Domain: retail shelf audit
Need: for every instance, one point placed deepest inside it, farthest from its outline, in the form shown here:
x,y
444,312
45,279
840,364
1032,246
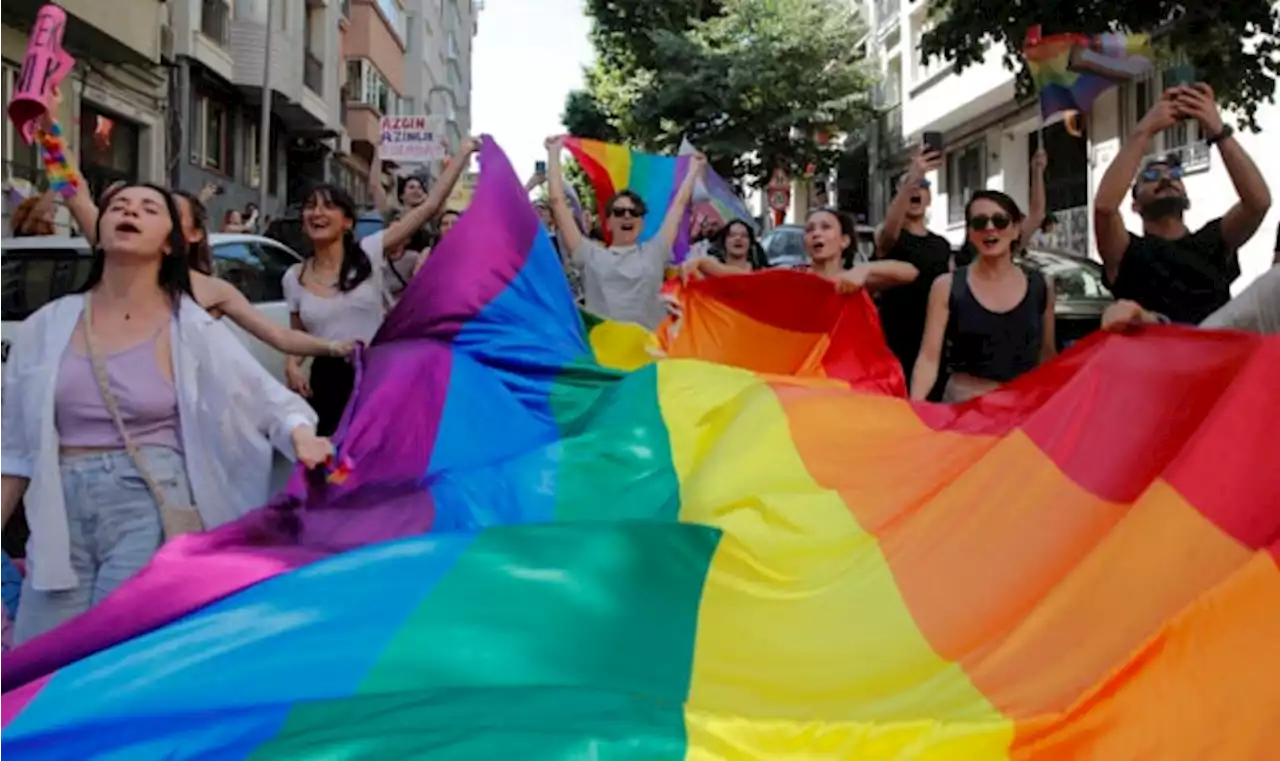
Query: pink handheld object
x,y
43,69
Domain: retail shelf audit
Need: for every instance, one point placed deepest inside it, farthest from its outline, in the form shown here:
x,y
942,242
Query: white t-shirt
x,y
353,315
622,283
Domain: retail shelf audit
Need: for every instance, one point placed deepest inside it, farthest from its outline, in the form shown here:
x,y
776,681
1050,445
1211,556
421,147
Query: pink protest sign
x,y
44,67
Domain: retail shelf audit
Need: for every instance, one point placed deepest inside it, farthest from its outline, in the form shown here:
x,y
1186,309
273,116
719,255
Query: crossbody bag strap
x,y
109,398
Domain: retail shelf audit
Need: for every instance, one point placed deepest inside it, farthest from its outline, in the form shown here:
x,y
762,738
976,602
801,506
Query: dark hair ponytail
x,y
174,277
200,256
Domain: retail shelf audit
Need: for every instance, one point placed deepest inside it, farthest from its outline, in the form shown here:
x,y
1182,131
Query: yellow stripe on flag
x,y
795,588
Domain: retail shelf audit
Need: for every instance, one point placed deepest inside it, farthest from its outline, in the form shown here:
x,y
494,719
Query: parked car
x,y
37,270
288,229
784,246
1080,295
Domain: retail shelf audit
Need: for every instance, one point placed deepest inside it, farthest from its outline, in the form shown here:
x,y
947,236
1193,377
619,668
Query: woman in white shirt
x,y
337,293
124,406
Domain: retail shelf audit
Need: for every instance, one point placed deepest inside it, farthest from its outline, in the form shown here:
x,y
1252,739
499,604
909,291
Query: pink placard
x,y
43,69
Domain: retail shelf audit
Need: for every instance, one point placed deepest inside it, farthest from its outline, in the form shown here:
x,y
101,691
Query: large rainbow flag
x,y
691,560
612,168
1070,71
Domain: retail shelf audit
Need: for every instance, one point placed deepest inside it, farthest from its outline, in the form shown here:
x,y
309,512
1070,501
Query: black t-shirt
x,y
1185,279
902,309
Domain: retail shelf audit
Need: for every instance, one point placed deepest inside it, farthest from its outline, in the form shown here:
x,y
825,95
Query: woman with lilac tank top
x,y
126,403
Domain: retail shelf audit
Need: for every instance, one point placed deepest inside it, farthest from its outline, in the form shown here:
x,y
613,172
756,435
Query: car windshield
x,y
35,276
1072,279
784,245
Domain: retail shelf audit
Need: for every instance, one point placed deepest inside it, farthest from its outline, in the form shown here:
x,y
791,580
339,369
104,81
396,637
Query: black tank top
x,y
997,346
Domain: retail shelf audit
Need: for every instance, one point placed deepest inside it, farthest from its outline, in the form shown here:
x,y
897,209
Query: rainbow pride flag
x,y
714,195
1072,70
612,168
688,559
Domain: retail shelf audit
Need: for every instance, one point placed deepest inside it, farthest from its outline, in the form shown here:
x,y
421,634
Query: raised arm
x,y
231,302
877,276
1036,203
929,361
81,205
675,214
1244,218
413,219
566,225
378,193
921,164
1108,224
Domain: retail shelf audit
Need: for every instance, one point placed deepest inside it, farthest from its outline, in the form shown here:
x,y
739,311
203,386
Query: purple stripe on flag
x,y
478,258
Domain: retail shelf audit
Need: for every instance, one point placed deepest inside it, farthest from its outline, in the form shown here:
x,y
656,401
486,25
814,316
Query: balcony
x,y
313,73
215,18
120,31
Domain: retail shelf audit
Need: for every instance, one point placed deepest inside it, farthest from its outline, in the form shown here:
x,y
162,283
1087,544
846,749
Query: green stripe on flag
x,y
558,641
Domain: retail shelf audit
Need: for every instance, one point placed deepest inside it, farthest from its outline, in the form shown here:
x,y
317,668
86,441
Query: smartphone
x,y
1184,74
540,167
932,142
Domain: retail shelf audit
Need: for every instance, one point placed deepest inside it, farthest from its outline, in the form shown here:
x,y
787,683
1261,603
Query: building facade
x,y
990,135
217,95
113,109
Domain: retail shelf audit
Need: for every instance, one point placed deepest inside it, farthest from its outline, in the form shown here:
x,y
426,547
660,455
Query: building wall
x,y
370,36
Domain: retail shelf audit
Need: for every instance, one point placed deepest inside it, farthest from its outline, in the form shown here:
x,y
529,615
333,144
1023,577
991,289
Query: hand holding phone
x,y
932,142
540,167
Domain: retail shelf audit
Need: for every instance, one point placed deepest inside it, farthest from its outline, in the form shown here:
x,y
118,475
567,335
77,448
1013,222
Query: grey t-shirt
x,y
622,283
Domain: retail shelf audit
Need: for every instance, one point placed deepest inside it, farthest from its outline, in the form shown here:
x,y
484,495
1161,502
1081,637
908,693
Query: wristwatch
x,y
1226,132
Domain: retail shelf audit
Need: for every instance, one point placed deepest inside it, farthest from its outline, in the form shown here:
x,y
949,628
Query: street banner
x,y
43,69
413,139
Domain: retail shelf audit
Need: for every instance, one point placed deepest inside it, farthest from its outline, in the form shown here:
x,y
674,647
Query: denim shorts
x,y
114,528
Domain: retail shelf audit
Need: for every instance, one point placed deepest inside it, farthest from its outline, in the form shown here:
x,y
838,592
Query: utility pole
x,y
264,123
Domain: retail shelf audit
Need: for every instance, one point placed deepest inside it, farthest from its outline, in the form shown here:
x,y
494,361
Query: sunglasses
x,y
981,221
925,184
622,212
1154,174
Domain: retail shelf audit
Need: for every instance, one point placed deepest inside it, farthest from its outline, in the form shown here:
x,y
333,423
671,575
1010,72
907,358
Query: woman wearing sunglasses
x,y
621,282
998,316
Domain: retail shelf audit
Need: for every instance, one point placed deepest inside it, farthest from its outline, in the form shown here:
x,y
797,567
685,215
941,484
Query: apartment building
x,y
217,96
990,136
113,107
403,57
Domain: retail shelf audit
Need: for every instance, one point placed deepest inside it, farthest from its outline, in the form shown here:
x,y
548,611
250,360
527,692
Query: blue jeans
x,y
114,526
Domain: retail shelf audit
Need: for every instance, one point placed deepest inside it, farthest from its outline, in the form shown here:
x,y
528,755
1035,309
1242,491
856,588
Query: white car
x,y
39,269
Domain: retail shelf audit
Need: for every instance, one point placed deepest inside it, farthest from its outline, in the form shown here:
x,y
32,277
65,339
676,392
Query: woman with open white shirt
x,y
127,405
337,293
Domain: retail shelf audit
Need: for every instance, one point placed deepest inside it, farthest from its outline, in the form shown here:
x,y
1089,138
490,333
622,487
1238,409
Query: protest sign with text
x,y
412,139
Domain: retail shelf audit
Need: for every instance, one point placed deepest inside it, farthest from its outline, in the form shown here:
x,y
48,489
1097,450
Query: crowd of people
x,y
132,415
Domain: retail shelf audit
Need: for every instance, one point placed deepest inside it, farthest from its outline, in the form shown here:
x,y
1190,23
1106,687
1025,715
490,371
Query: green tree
x,y
1233,46
757,84
585,117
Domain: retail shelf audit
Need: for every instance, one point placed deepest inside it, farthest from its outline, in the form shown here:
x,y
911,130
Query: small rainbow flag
x,y
540,556
715,194
612,168
1072,70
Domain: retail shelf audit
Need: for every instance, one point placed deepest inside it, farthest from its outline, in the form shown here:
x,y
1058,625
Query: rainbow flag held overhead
x,y
613,168
541,553
715,194
1072,70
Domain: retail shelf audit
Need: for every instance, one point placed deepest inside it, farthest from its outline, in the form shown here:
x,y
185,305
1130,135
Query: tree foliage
x,y
757,84
1233,46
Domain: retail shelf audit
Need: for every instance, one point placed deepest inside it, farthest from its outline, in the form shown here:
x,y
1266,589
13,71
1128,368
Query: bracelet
x,y
63,179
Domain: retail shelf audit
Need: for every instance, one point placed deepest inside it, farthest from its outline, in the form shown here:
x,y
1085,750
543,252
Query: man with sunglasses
x,y
904,237
1169,270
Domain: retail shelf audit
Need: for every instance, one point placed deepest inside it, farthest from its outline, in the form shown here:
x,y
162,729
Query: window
x,y
253,149
1183,138
923,70
211,139
20,159
368,87
35,276
255,270
966,172
109,148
